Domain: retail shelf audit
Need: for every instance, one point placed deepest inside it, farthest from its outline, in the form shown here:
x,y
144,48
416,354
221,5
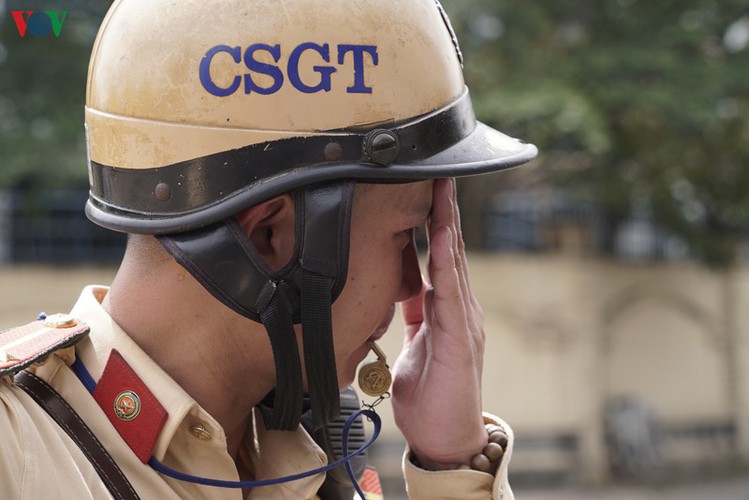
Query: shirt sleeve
x,y
12,458
465,484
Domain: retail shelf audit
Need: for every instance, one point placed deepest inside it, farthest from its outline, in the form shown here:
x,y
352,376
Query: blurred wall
x,y
603,368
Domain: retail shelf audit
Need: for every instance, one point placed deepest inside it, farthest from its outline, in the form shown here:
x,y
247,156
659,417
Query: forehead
x,y
412,199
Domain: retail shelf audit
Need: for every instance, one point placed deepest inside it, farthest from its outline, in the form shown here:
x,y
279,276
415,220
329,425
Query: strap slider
x,y
266,294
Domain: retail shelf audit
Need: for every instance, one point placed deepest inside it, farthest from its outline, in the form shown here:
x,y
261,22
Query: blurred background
x,y
612,270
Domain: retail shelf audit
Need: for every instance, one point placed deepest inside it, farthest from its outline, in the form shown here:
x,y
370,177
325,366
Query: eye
x,y
406,236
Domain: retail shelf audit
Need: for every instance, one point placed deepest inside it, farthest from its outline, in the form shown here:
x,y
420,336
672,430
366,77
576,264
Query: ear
x,y
270,226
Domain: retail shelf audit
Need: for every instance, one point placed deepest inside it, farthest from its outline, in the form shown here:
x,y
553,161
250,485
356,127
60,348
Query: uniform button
x,y
6,357
60,321
200,432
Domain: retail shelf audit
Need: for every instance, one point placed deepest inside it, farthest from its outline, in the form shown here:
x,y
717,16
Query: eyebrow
x,y
420,211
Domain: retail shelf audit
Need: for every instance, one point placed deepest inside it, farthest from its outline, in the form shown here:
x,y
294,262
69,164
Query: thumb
x,y
413,312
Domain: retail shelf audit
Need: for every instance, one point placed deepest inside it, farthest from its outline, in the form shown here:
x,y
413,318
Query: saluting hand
x,y
436,392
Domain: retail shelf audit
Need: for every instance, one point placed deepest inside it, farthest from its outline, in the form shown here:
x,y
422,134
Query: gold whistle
x,y
374,377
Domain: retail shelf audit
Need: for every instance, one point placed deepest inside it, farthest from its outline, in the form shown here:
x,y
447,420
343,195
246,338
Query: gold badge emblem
x,y
374,377
127,405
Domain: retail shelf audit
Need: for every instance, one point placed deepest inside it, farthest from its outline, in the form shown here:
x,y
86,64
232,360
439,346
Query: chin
x,y
347,378
348,365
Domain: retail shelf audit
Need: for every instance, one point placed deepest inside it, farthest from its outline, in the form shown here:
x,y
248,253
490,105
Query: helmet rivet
x,y
333,151
381,146
163,192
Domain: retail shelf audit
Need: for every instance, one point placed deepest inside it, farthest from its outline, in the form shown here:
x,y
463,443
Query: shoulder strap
x,y
25,345
71,423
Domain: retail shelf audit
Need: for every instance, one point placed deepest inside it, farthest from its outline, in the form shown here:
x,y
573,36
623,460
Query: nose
x,y
411,273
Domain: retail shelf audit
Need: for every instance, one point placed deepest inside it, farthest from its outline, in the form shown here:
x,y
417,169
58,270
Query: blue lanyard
x,y
90,384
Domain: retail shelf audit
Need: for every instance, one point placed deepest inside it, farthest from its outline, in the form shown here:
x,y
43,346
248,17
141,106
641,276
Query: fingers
x,y
476,318
460,243
445,213
446,216
448,306
458,247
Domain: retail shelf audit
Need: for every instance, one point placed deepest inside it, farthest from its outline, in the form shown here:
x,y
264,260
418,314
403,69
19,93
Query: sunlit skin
x,y
212,352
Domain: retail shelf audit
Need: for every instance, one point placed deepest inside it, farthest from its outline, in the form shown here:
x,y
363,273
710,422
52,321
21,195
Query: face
x,y
383,268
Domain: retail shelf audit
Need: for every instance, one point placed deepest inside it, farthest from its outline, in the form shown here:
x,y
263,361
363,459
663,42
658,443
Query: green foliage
x,y
42,90
631,102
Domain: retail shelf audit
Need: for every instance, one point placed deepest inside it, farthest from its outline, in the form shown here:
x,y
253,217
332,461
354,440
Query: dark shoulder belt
x,y
61,412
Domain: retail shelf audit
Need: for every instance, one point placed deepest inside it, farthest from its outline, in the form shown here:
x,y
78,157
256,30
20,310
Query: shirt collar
x,y
271,452
107,335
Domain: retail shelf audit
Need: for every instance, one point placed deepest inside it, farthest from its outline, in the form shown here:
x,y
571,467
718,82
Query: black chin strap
x,y
320,276
287,406
222,258
317,329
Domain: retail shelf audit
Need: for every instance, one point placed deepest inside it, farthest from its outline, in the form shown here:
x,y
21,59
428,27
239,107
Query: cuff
x,y
463,483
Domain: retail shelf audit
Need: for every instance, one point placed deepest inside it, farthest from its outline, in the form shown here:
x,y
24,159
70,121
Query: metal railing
x,y
50,227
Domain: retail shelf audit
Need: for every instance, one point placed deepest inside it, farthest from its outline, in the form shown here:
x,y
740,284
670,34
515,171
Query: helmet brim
x,y
482,151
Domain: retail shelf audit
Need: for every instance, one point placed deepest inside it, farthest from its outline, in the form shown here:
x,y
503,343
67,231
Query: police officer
x,y
269,161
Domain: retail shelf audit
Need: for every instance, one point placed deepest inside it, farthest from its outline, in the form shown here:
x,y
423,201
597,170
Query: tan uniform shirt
x,y
39,461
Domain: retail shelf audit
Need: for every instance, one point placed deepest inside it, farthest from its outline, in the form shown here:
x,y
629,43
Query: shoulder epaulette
x,y
23,346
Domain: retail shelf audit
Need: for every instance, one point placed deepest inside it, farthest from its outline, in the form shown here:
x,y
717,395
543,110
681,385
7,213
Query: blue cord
x,y
168,471
83,374
88,382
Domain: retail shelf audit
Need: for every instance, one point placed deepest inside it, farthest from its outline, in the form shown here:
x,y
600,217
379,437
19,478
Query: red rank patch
x,y
133,410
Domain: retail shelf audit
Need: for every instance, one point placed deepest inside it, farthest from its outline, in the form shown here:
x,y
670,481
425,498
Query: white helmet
x,y
198,109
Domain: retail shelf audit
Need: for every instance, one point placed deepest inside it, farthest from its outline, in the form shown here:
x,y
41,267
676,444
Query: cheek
x,y
372,285
376,276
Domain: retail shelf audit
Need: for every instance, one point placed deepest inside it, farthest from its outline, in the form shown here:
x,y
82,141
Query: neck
x,y
211,351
